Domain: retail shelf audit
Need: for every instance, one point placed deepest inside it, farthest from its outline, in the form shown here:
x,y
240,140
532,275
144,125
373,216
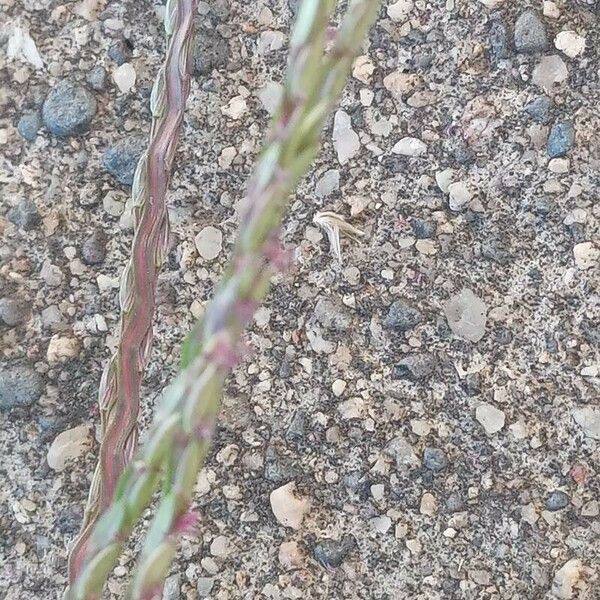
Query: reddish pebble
x,y
578,474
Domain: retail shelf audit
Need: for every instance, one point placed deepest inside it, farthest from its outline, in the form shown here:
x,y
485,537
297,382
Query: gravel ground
x,y
420,421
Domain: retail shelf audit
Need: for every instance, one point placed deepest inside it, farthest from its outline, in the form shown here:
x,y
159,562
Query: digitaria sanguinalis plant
x,y
179,438
119,393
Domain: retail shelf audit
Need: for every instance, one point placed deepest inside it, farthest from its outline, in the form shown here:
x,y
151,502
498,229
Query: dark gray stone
x,y
13,311
423,229
119,52
211,51
402,316
96,78
557,500
121,158
472,384
29,125
499,44
539,109
435,459
454,503
93,250
415,367
561,139
68,109
20,386
331,553
530,33
24,215
577,232
295,431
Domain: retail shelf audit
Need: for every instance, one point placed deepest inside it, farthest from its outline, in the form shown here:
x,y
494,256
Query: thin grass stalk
x,y
119,393
182,431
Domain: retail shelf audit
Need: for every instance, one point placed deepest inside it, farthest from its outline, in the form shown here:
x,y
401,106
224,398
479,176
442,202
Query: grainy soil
x,y
434,398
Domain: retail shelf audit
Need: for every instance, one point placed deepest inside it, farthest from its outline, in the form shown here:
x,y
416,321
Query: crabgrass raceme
x,y
182,430
119,393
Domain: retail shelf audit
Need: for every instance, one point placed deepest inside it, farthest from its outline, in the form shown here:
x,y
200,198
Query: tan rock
x,y
566,580
62,349
209,242
291,555
288,508
68,445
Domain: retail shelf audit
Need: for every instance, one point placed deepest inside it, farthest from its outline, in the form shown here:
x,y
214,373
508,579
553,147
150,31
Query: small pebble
x,y
29,125
20,386
530,33
454,503
549,72
124,77
291,555
345,139
423,229
399,11
539,109
570,43
13,311
557,500
172,587
566,580
586,255
490,417
62,349
24,215
68,109
269,96
68,445
236,108
499,44
289,508
119,52
460,196
561,139
209,242
328,183
331,553
96,78
410,146
401,316
416,367
551,10
338,387
435,459
93,251
220,546
121,158
588,419
204,586
467,315
429,505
